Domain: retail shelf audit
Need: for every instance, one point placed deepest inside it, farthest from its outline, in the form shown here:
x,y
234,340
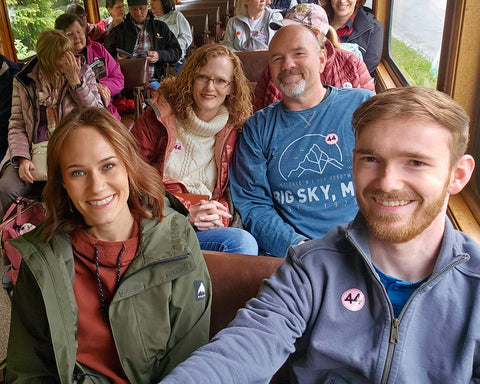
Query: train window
x,y
102,9
416,39
29,18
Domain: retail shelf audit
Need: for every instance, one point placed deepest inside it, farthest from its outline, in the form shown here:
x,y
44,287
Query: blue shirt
x,y
398,291
291,176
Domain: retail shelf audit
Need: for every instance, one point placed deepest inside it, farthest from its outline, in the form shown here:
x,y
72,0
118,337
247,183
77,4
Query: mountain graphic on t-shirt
x,y
316,161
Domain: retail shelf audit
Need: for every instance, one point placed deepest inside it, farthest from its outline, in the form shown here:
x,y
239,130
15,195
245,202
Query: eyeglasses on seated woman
x,y
188,134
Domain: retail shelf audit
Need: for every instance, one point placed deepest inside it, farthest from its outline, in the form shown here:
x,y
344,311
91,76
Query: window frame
x,y
463,47
6,34
7,46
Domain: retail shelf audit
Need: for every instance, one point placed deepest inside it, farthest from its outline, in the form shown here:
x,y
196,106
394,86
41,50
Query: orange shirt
x,y
96,347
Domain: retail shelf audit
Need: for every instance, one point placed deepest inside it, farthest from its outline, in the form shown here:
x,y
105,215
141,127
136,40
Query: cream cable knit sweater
x,y
192,160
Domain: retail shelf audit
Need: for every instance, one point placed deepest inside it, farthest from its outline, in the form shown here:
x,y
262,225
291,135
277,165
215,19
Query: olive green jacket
x,y
160,312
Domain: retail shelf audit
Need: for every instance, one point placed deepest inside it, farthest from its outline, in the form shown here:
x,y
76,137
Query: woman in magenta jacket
x,y
110,79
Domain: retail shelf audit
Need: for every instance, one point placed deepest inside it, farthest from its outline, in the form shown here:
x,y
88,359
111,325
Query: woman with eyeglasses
x,y
116,10
188,134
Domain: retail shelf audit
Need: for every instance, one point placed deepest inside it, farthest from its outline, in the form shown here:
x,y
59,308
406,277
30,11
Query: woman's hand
x,y
152,57
115,22
104,93
24,168
208,214
70,67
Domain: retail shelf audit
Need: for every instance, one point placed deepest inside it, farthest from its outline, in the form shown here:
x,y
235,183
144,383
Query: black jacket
x,y
164,42
6,82
368,34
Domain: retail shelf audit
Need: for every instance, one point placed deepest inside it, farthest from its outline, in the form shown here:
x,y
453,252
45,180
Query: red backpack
x,y
22,216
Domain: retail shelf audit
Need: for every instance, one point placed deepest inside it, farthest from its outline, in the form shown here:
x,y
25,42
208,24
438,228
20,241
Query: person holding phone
x,y
48,87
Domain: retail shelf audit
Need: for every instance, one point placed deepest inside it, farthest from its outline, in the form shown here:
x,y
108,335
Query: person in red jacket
x,y
188,134
343,69
116,10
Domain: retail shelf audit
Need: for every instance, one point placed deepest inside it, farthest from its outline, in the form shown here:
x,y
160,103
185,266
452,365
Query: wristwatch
x,y
76,86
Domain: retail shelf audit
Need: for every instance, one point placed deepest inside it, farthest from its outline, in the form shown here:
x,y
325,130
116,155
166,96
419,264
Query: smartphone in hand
x,y
140,54
125,53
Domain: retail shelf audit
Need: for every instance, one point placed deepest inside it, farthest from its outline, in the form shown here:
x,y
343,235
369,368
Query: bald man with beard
x,y
291,176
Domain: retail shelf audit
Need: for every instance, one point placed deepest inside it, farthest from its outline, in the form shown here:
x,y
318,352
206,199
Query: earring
x,y
70,205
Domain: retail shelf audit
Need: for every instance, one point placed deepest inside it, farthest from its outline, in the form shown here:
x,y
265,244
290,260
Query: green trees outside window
x,y
30,17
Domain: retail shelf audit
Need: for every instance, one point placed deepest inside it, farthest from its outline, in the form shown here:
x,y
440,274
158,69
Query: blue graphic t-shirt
x,y
292,170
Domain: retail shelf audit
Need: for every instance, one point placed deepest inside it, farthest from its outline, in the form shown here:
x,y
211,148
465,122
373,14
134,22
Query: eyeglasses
x,y
78,32
138,9
218,83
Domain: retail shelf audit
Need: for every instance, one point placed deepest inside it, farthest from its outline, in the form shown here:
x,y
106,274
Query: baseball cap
x,y
137,2
311,15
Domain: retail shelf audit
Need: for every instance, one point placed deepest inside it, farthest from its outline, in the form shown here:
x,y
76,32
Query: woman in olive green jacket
x,y
77,314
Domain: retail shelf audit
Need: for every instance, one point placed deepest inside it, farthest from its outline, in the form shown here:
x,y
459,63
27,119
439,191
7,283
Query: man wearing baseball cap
x,y
343,68
140,35
291,176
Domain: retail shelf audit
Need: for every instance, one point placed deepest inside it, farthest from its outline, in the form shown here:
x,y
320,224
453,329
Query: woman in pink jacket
x,y
47,88
107,71
188,134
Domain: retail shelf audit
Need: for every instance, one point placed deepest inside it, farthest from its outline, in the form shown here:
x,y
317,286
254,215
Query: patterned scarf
x,y
142,46
49,97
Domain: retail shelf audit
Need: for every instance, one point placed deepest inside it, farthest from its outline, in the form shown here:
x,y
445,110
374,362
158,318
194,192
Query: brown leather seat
x,y
135,72
254,63
236,279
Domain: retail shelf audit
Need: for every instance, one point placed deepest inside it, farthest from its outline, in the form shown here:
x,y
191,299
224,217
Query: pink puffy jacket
x,y
343,69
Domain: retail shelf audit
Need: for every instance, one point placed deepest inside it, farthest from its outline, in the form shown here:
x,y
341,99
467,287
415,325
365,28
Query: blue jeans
x,y
233,240
155,84
178,66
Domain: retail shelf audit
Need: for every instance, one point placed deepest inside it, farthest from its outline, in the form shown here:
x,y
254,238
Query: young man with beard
x,y
293,160
391,297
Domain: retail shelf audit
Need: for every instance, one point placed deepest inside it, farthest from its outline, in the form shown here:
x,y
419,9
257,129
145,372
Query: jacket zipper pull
x,y
394,331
